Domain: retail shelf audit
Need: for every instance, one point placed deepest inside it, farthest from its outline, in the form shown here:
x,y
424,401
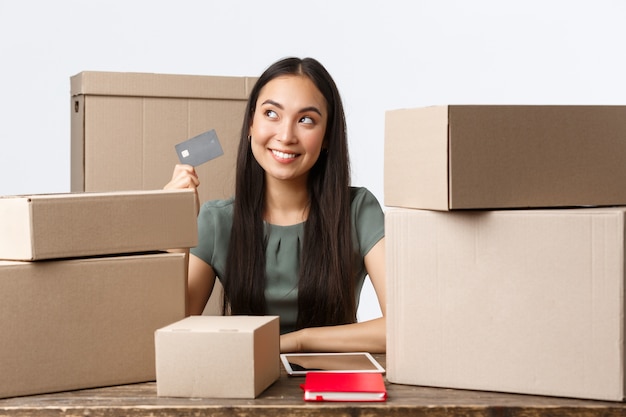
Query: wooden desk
x,y
284,398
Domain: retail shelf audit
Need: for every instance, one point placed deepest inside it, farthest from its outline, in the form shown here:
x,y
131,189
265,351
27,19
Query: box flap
x,y
136,84
219,324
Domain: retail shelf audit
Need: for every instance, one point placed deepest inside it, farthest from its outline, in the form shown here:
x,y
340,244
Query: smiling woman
x,y
287,130
296,240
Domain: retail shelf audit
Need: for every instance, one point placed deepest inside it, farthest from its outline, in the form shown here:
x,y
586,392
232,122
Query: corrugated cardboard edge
x,y
16,222
268,370
77,144
416,158
136,84
393,325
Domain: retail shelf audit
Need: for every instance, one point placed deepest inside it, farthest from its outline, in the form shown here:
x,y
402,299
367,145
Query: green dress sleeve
x,y
214,225
368,227
368,220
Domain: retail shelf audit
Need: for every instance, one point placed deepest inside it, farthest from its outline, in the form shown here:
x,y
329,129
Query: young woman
x,y
296,240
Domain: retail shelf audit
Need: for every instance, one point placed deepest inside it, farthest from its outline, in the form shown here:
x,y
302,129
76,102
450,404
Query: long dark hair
x,y
326,278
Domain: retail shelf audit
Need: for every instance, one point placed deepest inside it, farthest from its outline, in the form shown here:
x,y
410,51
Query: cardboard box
x,y
522,301
50,226
218,357
82,323
487,157
124,127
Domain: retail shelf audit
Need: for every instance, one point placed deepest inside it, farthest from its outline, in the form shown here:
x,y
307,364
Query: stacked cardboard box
x,y
500,277
124,127
84,283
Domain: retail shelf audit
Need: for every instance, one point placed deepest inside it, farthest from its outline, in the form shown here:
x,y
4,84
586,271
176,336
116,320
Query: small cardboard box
x,y
521,301
124,127
487,157
82,323
217,357
51,226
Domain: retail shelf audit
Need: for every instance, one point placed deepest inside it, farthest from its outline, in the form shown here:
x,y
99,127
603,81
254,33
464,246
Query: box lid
x,y
213,324
135,84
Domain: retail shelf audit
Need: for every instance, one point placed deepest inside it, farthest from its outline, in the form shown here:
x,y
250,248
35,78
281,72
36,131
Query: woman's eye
x,y
271,114
307,120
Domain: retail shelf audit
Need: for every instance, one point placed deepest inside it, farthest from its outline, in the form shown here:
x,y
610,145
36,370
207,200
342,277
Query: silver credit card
x,y
199,149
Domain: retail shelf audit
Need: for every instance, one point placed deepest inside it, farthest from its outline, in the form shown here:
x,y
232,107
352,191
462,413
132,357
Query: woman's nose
x,y
286,133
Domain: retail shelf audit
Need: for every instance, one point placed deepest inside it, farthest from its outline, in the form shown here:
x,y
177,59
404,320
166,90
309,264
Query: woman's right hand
x,y
184,176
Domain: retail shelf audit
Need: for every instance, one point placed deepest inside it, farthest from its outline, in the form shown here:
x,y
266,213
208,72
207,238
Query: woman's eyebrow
x,y
303,110
311,108
273,103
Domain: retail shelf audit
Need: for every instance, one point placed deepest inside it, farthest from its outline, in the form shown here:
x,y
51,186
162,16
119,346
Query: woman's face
x,y
288,127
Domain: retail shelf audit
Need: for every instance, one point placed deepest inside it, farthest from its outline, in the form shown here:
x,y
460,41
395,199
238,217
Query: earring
x,y
249,138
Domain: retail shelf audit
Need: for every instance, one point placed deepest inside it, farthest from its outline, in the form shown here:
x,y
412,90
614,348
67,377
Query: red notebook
x,y
344,386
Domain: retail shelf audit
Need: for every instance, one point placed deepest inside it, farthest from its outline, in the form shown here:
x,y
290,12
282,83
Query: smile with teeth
x,y
283,155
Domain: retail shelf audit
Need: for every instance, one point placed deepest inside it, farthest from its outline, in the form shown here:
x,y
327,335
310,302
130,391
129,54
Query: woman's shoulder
x,y
219,204
217,208
360,194
364,203
367,218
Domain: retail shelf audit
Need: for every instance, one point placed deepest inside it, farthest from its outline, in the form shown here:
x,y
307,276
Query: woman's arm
x,y
200,282
200,275
184,176
368,336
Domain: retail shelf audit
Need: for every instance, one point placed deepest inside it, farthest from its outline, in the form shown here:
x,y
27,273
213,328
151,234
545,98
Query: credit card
x,y
199,149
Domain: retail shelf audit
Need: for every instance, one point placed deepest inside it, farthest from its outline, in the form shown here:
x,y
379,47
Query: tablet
x,y
301,363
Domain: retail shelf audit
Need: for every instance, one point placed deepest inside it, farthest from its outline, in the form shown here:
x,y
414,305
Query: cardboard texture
x,y
82,323
51,226
522,301
217,357
487,157
124,127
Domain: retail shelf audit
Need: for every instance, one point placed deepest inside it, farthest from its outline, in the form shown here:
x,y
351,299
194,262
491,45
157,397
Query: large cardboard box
x,y
489,156
50,226
124,127
528,301
217,357
81,323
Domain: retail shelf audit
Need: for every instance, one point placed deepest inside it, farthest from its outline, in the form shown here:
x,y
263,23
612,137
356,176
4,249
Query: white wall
x,y
383,55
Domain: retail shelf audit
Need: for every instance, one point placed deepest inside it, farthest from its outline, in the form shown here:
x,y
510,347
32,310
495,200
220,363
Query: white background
x,y
382,54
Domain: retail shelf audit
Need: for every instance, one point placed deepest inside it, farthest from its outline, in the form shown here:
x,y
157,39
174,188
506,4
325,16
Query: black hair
x,y
326,288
